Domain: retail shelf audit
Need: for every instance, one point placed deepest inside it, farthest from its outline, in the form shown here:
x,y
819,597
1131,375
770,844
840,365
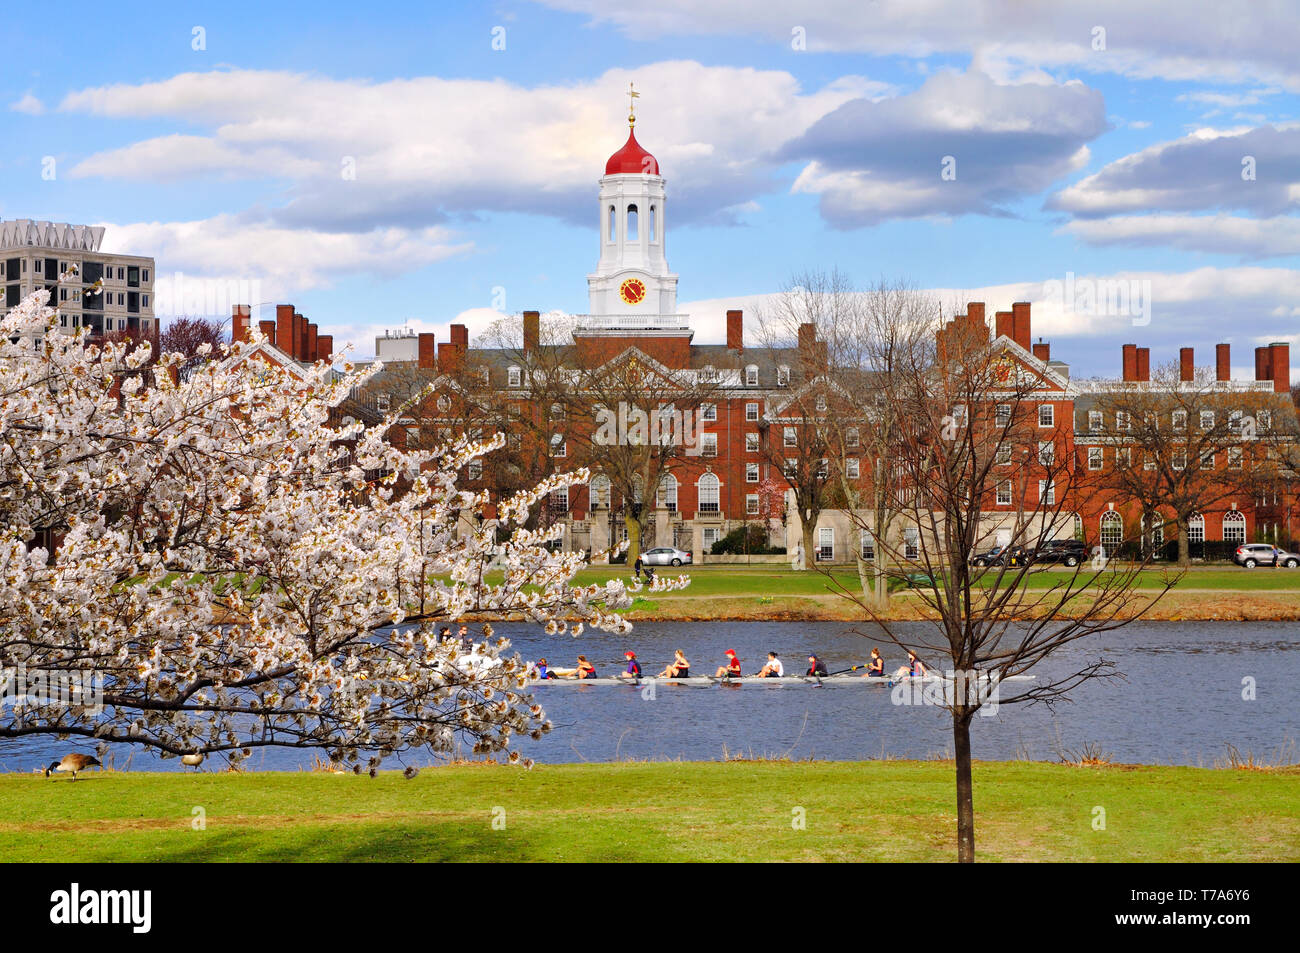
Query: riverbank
x,y
662,811
768,593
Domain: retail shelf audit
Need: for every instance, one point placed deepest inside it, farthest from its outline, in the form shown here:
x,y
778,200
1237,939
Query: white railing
x,y
633,322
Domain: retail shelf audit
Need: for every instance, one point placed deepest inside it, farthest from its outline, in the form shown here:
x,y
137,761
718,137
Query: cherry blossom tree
x,y
235,572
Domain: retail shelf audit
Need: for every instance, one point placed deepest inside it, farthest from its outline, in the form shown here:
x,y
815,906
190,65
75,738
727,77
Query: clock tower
x,y
632,279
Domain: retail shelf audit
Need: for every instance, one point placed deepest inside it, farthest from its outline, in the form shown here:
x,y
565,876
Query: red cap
x,y
629,655
730,652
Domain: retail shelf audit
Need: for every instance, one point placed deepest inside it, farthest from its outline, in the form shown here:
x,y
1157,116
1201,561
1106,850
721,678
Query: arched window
x,y
666,497
631,224
613,223
1112,533
708,486
1196,529
599,491
654,234
1234,527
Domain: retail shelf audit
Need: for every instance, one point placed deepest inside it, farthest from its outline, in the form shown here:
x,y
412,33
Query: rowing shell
x,y
703,681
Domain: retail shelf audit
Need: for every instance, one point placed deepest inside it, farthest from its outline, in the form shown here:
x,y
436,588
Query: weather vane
x,y
632,96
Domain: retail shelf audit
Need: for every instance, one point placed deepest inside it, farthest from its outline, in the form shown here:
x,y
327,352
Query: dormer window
x,y
708,373
751,375
782,376
514,376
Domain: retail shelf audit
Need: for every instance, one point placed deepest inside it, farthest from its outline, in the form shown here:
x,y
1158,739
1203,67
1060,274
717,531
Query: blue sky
x,y
475,167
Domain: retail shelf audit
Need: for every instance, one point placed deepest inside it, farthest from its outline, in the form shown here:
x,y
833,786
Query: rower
x,y
731,669
914,668
816,667
875,665
585,668
678,667
773,668
542,670
633,666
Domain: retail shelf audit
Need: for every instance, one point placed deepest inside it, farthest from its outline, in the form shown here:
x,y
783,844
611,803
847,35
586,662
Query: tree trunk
x,y
965,792
633,537
809,531
1184,545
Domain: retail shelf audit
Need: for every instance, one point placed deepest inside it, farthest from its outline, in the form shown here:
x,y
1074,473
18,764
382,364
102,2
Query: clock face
x,y
632,291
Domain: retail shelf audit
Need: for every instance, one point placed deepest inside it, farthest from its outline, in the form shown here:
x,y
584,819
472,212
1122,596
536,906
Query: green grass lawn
x,y
665,811
782,581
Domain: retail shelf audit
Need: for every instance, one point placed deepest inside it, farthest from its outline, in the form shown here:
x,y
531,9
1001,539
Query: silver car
x,y
665,556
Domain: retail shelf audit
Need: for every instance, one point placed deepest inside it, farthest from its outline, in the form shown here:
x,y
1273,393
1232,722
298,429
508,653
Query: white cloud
x,y
1233,41
217,252
425,147
1223,234
28,104
962,143
1256,169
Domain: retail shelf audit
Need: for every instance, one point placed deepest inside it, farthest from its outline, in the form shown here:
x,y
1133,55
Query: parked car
x,y
666,556
1251,555
1003,556
1071,552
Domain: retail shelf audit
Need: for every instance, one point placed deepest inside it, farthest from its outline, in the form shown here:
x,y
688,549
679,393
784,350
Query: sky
x,y
1132,169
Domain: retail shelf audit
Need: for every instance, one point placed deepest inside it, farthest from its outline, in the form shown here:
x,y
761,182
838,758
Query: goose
x,y
72,763
192,760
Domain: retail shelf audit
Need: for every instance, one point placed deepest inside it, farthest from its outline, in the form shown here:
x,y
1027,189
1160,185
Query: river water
x,y
1181,701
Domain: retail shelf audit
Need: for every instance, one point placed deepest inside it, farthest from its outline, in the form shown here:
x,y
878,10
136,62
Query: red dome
x,y
631,159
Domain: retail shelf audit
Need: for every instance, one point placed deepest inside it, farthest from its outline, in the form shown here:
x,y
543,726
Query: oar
x,y
845,671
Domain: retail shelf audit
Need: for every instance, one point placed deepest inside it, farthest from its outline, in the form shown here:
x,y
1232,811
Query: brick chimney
x,y
268,330
1130,362
807,336
1186,364
1222,362
460,338
1043,351
1280,363
313,339
532,331
284,328
1003,326
450,357
735,330
975,318
325,348
1263,364
427,350
299,337
239,318
1144,364
1020,324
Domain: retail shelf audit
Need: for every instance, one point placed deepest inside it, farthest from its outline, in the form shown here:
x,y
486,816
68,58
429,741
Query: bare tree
x,y
973,466
873,345
799,442
636,421
1181,447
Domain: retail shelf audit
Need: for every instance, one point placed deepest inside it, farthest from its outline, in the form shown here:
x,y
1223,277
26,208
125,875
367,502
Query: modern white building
x,y
33,254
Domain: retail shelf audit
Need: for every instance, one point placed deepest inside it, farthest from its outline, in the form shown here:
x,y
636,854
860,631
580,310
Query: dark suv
x,y
1003,556
1068,551
1251,555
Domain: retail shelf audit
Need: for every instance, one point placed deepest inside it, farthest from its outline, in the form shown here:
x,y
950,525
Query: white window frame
x,y
751,411
1004,493
1046,415
751,472
1096,458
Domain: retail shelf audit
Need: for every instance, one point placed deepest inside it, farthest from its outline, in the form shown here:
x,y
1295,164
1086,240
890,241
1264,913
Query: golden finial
x,y
632,96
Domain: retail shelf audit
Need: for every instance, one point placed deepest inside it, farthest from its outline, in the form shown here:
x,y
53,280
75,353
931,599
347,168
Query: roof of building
x,y
632,159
